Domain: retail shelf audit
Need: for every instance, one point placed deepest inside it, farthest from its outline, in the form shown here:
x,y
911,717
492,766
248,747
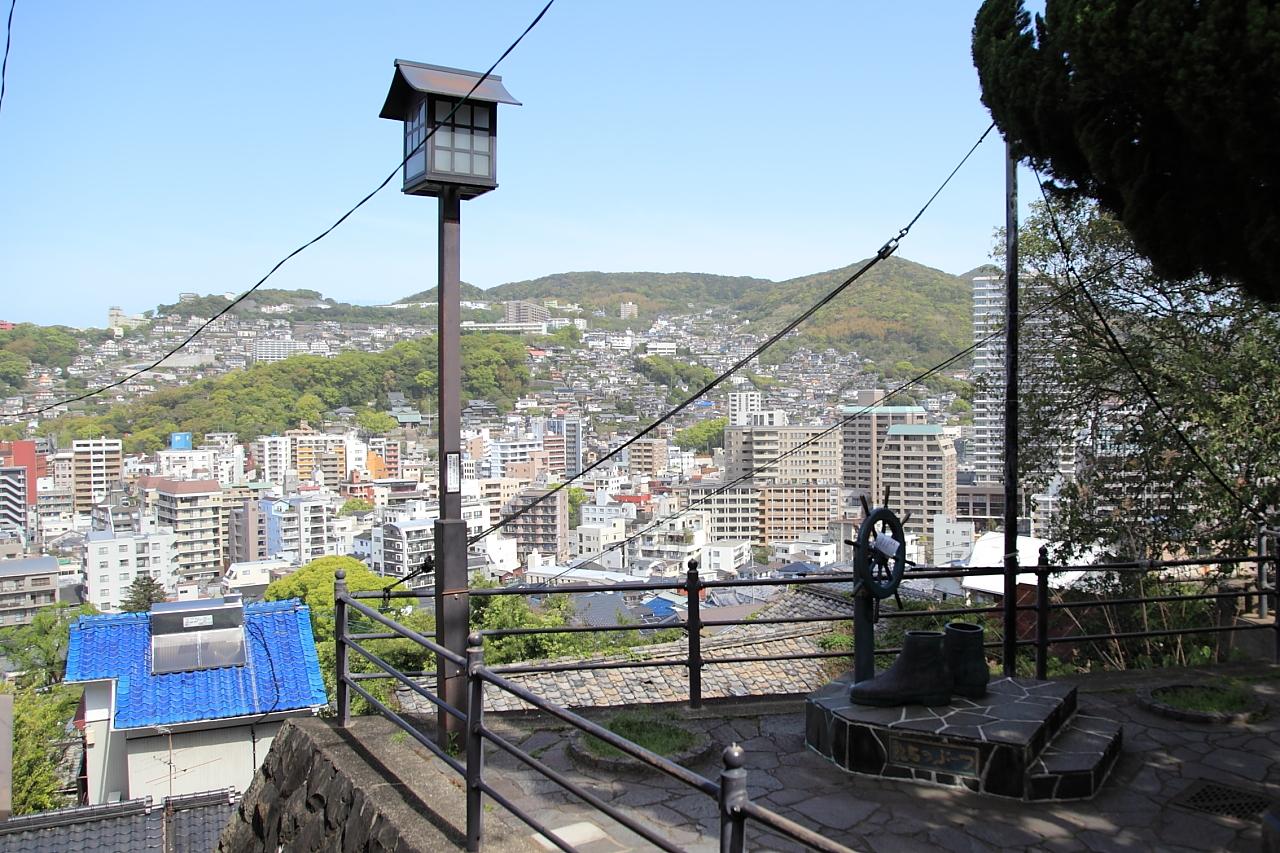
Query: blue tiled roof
x,y
118,646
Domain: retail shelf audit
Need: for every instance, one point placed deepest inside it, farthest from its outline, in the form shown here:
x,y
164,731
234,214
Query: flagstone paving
x,y
1133,812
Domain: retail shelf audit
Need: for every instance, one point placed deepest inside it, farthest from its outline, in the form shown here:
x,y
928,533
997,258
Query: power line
x,y
884,252
1133,368
8,41
325,233
838,425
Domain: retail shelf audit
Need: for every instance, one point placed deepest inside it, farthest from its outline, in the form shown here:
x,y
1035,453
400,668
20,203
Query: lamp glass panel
x,y
480,116
480,165
443,160
480,141
442,109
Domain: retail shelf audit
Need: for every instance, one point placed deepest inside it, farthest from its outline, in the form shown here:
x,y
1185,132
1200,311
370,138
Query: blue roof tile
x,y
281,672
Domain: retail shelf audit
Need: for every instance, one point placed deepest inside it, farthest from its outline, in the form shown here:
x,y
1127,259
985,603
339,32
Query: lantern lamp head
x,y
462,151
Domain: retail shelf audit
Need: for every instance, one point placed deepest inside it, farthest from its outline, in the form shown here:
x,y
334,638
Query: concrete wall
x,y
201,760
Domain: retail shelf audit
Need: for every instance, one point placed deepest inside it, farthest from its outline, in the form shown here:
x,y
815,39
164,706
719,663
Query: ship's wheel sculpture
x,y
879,561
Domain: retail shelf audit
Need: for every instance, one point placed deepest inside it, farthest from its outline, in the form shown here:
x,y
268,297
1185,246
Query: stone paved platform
x,y
1161,758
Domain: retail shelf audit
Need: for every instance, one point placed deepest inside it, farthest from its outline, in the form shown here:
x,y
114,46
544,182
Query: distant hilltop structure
x,y
120,322
628,311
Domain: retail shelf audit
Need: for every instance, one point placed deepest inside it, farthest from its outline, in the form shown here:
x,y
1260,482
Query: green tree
x,y
313,584
39,650
1164,113
354,506
13,369
375,422
142,593
577,497
703,435
40,739
1206,356
310,408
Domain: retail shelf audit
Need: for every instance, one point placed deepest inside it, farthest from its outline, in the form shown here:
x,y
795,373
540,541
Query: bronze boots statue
x,y
966,659
918,676
930,667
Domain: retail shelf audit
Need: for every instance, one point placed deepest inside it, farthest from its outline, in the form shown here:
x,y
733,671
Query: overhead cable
x,y
8,41
325,233
884,252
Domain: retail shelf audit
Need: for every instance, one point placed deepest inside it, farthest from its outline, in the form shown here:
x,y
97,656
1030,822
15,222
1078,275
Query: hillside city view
x,y
937,533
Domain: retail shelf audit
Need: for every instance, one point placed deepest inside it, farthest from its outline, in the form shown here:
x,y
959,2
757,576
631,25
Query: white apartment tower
x,y
742,405
987,454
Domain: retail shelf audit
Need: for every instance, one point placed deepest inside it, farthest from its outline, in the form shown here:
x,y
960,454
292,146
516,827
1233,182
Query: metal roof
x,y
413,77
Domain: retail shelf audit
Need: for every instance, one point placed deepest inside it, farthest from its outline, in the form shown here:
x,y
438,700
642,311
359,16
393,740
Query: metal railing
x,y
730,791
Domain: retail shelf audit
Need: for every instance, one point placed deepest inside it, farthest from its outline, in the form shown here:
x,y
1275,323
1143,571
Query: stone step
x,y
1074,765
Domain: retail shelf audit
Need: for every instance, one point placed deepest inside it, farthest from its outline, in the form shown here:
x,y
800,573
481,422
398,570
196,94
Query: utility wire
x,y
1133,368
885,251
325,233
838,425
8,41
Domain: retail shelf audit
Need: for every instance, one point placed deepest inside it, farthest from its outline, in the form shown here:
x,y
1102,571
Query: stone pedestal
x,y
1024,739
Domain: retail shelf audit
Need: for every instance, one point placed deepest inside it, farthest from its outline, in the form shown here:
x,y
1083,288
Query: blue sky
x,y
148,148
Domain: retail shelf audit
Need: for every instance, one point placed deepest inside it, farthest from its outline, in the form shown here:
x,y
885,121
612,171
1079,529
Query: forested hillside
x,y
270,398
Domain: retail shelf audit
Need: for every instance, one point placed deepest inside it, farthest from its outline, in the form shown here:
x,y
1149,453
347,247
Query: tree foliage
x,y
39,650
1165,113
313,584
355,506
374,422
1207,356
704,435
271,398
142,593
40,719
674,374
46,346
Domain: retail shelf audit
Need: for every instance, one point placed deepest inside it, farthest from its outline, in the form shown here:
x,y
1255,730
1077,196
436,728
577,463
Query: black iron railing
x,y
730,790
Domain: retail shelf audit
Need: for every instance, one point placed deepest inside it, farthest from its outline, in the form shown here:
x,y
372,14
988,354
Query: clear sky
x,y
148,148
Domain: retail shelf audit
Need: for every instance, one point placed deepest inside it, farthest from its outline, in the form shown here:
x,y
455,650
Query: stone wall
x,y
365,789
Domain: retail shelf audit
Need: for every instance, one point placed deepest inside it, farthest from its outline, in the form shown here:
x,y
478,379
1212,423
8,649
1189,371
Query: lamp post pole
x,y
1010,650
452,607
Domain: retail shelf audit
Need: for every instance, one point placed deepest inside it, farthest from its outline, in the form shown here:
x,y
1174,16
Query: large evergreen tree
x,y
1164,111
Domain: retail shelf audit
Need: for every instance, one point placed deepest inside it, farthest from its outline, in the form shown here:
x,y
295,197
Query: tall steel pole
x,y
450,530
1010,412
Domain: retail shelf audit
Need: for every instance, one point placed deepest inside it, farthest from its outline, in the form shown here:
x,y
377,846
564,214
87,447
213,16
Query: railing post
x,y
694,588
1042,614
341,670
475,742
733,795
1262,572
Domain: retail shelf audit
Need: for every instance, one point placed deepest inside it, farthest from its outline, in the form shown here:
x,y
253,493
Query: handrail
x,y
735,805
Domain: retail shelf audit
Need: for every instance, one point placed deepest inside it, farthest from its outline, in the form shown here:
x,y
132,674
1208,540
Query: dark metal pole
x,y
733,794
864,636
693,586
452,623
475,743
1042,614
341,668
1010,412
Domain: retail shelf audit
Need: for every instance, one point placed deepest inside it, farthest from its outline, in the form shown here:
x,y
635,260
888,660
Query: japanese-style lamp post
x,y
456,162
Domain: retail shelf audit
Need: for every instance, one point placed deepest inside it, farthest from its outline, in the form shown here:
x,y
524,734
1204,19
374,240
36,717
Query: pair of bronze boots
x,y
931,667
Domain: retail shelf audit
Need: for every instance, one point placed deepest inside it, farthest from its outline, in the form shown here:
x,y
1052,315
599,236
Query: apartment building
x,y
986,453
14,512
274,457
319,457
918,464
193,510
247,532
96,465
647,457
783,454
795,511
400,547
543,527
589,540
574,437
674,540
299,527
864,430
742,404
522,311
27,584
112,561
733,511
